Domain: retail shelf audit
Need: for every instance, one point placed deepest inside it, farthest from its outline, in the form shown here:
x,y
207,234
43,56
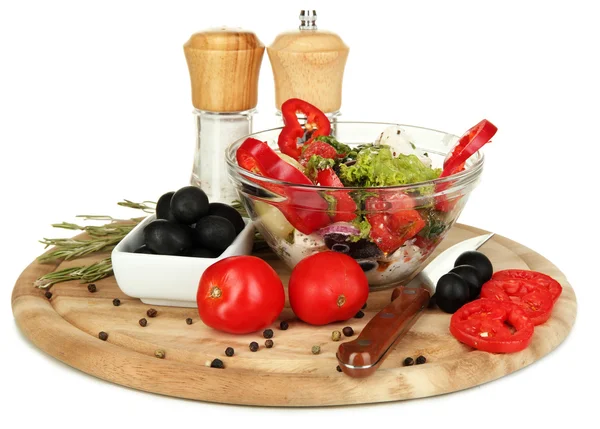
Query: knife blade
x,y
362,356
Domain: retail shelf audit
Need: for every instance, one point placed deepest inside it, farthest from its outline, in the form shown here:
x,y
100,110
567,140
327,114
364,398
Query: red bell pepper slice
x,y
471,141
305,209
345,206
492,326
316,122
393,220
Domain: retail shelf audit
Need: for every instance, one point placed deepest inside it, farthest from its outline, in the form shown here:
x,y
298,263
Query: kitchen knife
x,y
362,356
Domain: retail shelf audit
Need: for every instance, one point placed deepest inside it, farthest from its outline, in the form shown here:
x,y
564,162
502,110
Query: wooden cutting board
x,y
67,327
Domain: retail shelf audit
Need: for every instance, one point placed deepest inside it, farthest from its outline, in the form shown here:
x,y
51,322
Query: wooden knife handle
x,y
362,356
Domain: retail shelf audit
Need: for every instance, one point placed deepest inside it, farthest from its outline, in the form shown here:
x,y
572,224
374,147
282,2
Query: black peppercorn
x,y
189,321
217,363
151,312
269,344
116,302
253,346
229,351
268,333
48,294
92,287
143,321
338,369
408,361
364,306
421,360
103,336
359,315
348,331
284,325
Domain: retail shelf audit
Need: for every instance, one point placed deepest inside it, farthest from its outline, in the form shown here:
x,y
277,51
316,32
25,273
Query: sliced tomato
x,y
492,326
345,207
319,148
534,300
393,220
533,277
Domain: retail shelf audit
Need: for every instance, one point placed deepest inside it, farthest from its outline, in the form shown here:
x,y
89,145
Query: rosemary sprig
x,y
88,274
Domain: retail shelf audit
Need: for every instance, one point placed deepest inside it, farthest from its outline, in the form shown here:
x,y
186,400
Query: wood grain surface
x,y
67,326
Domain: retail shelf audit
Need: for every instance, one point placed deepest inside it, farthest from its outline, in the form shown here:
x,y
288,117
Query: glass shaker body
x,y
214,132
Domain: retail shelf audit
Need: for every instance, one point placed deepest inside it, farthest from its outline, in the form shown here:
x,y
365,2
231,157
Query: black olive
x,y
163,207
189,204
216,233
361,249
144,249
451,292
471,276
229,213
199,252
342,248
367,265
478,260
167,238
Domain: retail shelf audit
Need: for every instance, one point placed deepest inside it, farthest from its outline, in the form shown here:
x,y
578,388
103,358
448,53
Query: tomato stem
x,y
215,292
341,300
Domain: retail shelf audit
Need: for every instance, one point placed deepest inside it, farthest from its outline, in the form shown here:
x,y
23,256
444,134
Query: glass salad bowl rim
x,y
471,171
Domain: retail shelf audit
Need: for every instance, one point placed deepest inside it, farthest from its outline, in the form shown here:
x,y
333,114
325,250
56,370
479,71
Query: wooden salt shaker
x,y
309,64
224,65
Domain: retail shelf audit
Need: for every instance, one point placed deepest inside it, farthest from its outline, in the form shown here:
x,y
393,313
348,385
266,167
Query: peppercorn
x,y
143,321
359,315
336,335
408,361
229,351
268,333
189,321
116,302
269,344
151,312
253,346
217,363
103,335
316,350
364,306
338,369
159,354
48,294
421,360
92,287
348,331
284,325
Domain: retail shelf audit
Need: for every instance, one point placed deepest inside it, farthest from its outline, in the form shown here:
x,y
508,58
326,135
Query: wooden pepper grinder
x,y
224,65
309,64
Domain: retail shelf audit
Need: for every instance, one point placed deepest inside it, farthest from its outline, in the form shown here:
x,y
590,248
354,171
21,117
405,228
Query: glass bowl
x,y
390,252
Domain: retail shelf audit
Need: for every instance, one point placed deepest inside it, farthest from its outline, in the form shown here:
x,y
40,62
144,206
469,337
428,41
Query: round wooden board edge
x,y
34,315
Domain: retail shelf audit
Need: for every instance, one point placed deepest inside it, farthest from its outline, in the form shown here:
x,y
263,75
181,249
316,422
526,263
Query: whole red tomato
x,y
327,287
240,295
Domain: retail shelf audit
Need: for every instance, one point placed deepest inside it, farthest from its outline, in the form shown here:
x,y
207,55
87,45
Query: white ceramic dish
x,y
164,279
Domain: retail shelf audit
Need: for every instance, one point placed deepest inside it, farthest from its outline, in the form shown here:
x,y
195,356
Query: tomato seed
x,y
284,325
189,321
151,312
92,287
116,302
268,333
336,335
269,344
103,336
229,351
217,363
408,361
421,360
348,331
253,346
143,322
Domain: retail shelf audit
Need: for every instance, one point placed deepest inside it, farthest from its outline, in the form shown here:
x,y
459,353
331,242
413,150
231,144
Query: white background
x,y
95,107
